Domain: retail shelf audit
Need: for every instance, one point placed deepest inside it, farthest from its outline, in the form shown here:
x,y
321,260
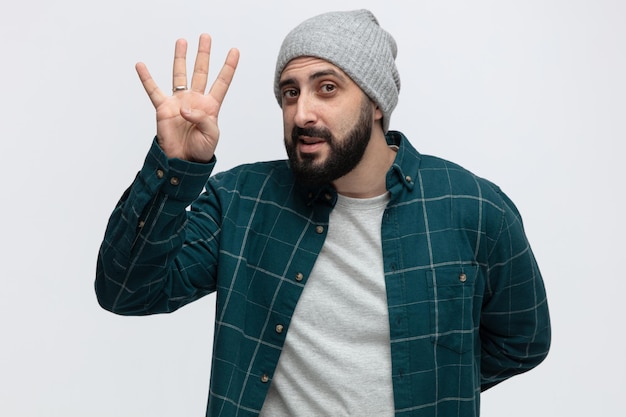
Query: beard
x,y
343,156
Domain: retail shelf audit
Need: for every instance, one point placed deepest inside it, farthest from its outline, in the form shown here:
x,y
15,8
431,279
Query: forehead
x,y
306,66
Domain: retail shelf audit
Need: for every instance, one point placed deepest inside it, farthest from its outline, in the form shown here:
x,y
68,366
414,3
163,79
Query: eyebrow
x,y
312,77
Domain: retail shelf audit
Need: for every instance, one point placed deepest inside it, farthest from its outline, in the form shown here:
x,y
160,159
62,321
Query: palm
x,y
192,142
187,120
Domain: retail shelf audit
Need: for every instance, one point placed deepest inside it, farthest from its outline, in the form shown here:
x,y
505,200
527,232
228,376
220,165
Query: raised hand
x,y
187,119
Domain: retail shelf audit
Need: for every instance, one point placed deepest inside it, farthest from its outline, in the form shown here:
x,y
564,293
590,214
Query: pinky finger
x,y
152,89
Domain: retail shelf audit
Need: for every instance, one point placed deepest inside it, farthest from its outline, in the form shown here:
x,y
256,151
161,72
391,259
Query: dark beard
x,y
343,157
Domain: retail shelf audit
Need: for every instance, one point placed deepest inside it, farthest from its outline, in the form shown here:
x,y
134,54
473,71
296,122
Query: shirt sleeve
x,y
515,324
146,257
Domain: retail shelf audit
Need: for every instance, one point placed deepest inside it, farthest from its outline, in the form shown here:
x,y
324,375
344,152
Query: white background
x,y
530,94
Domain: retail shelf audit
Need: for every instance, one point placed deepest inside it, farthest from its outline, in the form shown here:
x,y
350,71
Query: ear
x,y
378,114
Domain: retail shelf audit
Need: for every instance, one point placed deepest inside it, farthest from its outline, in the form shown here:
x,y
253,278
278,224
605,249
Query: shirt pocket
x,y
451,293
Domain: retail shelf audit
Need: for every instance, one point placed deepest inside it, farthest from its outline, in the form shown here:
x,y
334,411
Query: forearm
x,y
140,268
517,340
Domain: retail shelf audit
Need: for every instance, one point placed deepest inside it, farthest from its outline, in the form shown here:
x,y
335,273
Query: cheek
x,y
287,122
287,130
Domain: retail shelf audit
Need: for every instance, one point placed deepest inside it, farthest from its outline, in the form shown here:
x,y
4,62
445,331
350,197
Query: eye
x,y
328,88
289,93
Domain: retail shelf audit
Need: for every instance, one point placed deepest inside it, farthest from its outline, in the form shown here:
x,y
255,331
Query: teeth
x,y
311,141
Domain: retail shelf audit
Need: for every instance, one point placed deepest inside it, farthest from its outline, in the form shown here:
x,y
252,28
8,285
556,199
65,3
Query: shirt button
x,y
408,178
319,230
174,181
141,224
160,174
462,277
265,378
299,276
279,328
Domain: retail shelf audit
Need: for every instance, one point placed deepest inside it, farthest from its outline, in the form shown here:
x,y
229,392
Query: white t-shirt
x,y
336,360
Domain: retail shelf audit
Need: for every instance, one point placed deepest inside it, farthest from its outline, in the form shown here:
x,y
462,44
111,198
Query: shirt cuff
x,y
179,179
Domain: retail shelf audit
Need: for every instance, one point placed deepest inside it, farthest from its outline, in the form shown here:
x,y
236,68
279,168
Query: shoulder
x,y
439,178
452,178
253,177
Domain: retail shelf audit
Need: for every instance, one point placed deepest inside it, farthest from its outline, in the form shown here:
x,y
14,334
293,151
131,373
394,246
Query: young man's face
x,y
327,120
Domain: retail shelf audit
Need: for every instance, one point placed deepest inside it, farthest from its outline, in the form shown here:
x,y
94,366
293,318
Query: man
x,y
357,278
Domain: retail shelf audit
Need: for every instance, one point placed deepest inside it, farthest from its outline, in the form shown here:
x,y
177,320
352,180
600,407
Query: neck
x,y
369,177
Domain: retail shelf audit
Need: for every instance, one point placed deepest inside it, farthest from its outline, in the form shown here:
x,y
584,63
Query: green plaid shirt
x,y
467,305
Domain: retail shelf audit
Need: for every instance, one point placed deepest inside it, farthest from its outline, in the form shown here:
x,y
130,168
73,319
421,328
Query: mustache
x,y
314,132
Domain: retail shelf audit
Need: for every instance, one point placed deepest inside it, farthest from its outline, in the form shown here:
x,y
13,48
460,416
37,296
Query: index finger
x,y
222,82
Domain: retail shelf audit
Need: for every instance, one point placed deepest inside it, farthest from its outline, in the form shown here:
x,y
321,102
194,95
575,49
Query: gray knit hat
x,y
354,42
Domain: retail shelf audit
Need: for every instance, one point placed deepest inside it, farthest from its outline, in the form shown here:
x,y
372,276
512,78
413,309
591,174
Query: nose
x,y
306,114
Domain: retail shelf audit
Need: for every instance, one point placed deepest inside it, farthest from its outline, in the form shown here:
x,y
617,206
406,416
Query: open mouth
x,y
308,144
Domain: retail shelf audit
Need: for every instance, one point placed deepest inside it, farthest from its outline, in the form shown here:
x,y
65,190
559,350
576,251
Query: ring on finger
x,y
179,88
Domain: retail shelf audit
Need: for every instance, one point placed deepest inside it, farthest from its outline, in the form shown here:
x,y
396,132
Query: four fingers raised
x,y
200,72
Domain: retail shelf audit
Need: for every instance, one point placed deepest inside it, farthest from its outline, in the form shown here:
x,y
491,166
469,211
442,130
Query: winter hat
x,y
354,42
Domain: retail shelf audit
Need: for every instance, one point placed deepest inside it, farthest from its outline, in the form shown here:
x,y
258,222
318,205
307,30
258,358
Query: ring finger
x,y
179,73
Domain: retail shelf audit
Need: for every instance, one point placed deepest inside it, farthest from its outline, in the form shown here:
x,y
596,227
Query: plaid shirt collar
x,y
401,174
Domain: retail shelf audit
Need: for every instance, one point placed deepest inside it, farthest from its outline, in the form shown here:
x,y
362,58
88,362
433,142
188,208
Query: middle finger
x,y
201,66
